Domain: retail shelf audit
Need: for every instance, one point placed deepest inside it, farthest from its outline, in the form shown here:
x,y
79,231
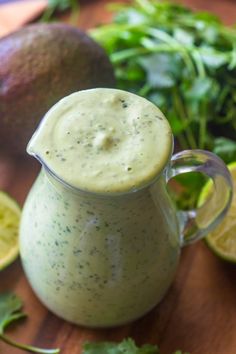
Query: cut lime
x,y
222,240
9,226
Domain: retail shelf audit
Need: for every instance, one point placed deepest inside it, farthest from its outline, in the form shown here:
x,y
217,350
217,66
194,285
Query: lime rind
x,y
11,257
225,256
9,202
222,241
9,226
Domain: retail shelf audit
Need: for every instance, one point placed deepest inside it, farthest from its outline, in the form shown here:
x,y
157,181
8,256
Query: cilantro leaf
x,y
225,148
61,5
127,346
10,306
10,311
161,69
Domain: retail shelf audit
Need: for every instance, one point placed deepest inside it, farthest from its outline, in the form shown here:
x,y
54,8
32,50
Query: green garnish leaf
x,y
225,148
10,311
157,67
127,346
61,5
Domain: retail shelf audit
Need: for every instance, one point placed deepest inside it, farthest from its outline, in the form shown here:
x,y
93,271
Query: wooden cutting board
x,y
198,314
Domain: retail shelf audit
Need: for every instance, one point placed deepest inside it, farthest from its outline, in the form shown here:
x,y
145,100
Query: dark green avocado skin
x,y
39,65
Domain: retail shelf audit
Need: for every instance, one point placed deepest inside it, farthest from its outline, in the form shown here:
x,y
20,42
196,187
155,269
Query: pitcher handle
x,y
196,223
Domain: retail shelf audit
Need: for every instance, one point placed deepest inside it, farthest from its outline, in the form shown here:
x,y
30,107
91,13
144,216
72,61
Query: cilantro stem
x,y
202,125
47,14
182,116
182,141
198,62
147,6
75,11
28,348
118,57
125,54
144,90
59,5
203,118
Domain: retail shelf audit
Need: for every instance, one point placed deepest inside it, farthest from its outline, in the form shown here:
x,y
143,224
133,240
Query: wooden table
x,y
198,314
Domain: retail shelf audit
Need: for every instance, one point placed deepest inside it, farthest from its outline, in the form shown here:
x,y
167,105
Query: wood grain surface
x,y
198,314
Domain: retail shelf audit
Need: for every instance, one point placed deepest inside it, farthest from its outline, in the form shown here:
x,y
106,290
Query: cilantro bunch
x,y
184,62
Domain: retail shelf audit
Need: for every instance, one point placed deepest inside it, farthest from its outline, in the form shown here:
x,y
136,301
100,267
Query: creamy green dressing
x,y
104,140
100,260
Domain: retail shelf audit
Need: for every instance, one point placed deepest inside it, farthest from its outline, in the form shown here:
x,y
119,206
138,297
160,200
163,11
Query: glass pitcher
x,y
102,259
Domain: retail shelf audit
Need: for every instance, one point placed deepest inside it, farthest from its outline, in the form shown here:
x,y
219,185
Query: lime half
x,y
9,228
222,240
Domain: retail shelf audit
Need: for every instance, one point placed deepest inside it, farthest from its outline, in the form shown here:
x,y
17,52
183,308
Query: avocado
x,y
40,64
